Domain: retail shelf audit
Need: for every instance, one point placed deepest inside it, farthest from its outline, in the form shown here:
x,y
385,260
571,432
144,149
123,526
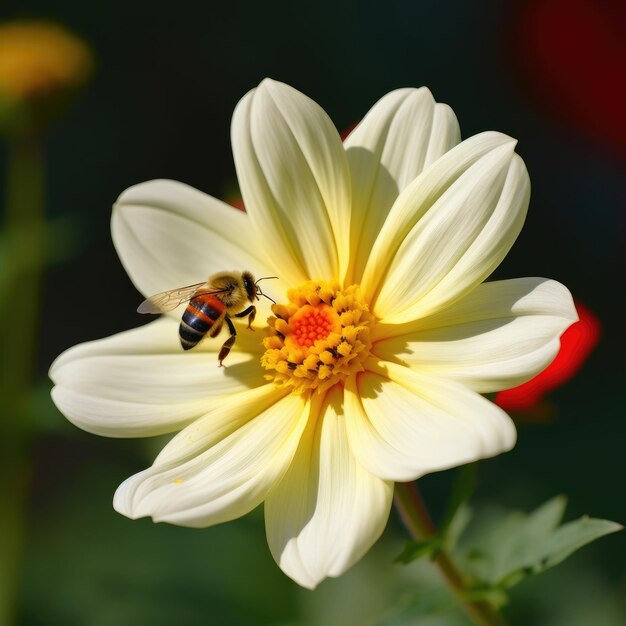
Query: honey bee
x,y
211,304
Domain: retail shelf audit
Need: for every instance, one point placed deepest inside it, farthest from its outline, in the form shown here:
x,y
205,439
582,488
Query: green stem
x,y
19,297
415,516
23,238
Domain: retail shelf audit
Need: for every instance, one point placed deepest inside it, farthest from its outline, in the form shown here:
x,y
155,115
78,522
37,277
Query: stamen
x,y
318,338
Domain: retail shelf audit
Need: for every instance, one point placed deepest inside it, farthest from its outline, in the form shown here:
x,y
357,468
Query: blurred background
x,y
157,84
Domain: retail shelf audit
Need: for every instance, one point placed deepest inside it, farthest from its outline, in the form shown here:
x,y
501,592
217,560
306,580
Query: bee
x,y
211,305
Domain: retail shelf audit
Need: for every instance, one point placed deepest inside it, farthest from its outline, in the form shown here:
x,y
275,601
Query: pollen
x,y
318,338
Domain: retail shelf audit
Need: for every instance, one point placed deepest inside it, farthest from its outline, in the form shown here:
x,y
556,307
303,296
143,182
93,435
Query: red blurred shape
x,y
577,342
348,130
237,202
573,56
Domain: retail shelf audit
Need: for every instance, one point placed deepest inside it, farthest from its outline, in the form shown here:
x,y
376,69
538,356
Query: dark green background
x,y
168,77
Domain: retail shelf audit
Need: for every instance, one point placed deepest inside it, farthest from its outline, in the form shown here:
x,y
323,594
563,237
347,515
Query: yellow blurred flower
x,y
40,58
42,65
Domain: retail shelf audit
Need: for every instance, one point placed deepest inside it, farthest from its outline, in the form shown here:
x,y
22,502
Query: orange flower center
x,y
318,338
310,324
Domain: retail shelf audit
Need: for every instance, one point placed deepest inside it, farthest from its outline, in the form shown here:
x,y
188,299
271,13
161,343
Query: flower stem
x,y
22,262
23,232
414,514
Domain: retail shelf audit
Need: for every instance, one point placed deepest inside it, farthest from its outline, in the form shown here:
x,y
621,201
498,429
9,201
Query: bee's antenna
x,y
260,292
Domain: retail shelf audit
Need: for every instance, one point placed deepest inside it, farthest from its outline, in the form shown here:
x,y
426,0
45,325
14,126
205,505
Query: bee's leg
x,y
217,327
250,312
228,344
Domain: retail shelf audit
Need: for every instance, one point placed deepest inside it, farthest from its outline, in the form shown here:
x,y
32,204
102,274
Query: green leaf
x,y
496,596
420,604
457,526
502,548
573,536
417,549
463,487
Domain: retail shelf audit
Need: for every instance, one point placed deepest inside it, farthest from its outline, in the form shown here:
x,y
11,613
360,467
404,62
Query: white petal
x,y
402,134
499,336
224,418
327,511
294,180
449,229
170,235
140,382
238,452
403,424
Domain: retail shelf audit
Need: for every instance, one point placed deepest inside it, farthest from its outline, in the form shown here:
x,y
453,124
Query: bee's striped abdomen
x,y
200,314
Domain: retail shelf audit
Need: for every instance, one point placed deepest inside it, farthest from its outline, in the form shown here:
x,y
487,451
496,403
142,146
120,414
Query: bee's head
x,y
249,285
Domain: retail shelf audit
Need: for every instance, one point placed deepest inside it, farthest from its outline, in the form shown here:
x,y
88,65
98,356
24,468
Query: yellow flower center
x,y
318,338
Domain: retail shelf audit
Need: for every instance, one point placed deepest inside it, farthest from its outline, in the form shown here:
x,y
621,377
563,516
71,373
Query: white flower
x,y
383,243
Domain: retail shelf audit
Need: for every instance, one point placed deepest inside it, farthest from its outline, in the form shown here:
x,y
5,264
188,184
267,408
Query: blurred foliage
x,y
65,237
497,549
500,548
414,550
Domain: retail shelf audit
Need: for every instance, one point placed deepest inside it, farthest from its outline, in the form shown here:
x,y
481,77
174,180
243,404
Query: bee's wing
x,y
168,300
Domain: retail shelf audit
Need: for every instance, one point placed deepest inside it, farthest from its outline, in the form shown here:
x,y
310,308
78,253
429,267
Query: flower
x,y
41,65
369,369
